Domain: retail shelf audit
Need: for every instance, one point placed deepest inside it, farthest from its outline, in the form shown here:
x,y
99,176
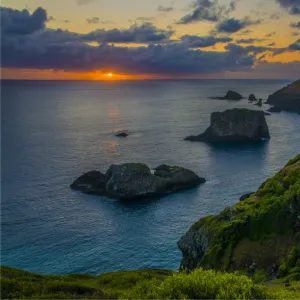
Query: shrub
x,y
199,284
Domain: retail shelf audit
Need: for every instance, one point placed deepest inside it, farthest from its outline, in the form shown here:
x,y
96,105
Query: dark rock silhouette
x,y
235,125
231,95
275,109
259,103
287,98
135,180
122,134
252,97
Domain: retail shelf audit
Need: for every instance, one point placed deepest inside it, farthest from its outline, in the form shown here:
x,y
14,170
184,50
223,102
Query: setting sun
x,y
110,75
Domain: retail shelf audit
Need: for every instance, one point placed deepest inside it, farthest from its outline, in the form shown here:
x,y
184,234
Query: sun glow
x,y
109,75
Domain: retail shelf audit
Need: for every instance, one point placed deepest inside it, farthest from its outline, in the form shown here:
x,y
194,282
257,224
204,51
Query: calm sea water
x,y
52,132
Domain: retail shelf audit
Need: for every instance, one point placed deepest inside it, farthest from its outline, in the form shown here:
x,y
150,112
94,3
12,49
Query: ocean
x,y
52,132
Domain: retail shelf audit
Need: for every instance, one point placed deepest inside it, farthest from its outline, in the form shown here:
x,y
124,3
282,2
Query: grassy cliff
x,y
261,233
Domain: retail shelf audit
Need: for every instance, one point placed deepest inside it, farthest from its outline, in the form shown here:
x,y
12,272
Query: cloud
x,y
245,32
293,6
295,46
270,34
143,33
295,33
272,44
44,48
194,41
295,25
93,20
153,59
207,10
250,41
145,19
233,25
275,16
83,2
165,8
22,22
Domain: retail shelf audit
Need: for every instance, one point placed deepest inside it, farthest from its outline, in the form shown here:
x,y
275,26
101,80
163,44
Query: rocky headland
x,y
135,180
287,98
235,125
259,234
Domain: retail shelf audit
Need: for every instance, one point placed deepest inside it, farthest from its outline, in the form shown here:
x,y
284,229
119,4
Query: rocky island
x,y
235,125
231,95
259,234
287,98
135,180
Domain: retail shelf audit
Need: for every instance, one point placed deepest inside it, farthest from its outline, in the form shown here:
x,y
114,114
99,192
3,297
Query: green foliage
x,y
281,292
199,284
290,265
260,276
262,219
18,284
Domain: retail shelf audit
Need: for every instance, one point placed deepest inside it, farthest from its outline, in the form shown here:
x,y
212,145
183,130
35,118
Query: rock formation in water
x,y
252,97
275,109
134,180
231,95
122,134
287,98
260,232
235,125
259,103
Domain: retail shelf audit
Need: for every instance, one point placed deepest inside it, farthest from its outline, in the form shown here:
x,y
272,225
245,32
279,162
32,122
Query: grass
x,y
18,284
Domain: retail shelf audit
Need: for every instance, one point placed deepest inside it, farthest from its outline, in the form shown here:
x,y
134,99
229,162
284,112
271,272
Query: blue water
x,y
52,132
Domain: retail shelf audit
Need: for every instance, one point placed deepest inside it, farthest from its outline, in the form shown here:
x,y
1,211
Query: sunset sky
x,y
141,39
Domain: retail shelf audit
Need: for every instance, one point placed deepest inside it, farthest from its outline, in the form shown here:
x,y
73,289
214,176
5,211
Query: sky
x,y
142,39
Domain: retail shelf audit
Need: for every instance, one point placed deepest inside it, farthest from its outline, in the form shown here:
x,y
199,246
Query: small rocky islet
x,y
235,125
230,95
135,180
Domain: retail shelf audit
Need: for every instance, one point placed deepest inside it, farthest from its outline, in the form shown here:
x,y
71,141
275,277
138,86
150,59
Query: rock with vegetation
x,y
245,196
259,235
231,95
235,125
252,97
135,180
287,98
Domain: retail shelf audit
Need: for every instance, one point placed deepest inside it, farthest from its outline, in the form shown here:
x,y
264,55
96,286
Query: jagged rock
x,y
275,109
122,134
287,98
258,229
252,97
132,180
231,95
235,125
